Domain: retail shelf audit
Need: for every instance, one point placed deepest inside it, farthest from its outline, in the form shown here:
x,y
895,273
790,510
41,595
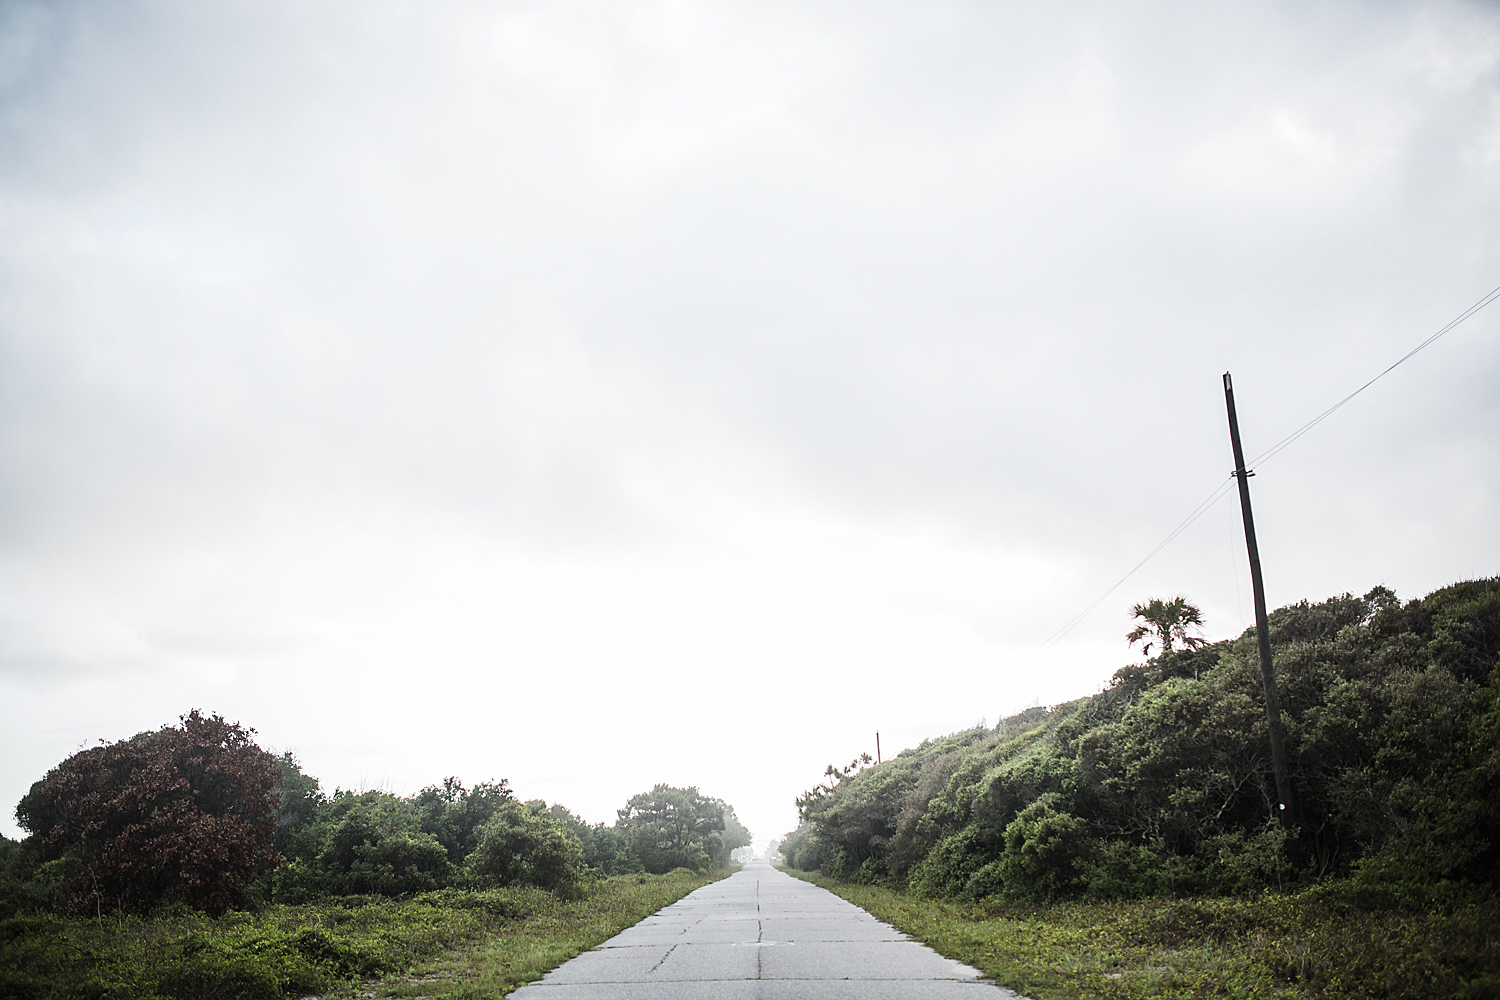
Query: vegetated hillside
x,y
1162,783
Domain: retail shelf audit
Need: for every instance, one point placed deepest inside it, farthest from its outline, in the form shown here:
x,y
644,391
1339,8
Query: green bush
x,y
523,845
455,815
802,849
1120,870
1242,862
220,975
1045,852
987,881
950,866
374,843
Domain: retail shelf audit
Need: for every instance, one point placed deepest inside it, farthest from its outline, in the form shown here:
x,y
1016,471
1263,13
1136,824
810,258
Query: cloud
x,y
543,391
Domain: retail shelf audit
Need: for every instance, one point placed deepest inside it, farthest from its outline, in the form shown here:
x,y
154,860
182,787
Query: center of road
x,y
762,935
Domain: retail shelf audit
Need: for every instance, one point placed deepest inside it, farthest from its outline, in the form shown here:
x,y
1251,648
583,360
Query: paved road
x,y
761,935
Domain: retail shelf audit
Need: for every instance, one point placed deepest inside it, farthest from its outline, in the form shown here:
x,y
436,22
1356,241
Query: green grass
x,y
439,944
1326,943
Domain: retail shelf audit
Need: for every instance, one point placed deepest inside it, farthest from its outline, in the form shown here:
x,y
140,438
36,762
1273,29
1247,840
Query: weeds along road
x,y
761,935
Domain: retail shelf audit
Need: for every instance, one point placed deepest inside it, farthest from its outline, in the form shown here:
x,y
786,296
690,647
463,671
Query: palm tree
x,y
1167,622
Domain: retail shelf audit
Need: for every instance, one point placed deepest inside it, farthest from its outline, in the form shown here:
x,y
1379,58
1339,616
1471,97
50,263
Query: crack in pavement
x,y
662,960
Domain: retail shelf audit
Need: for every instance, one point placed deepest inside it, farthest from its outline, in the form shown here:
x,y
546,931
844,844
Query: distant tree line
x,y
198,815
1162,783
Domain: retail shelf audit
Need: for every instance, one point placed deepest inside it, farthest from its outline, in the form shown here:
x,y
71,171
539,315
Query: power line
x,y
1276,448
1222,490
1219,493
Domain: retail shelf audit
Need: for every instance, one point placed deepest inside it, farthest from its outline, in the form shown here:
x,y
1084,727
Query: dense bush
x,y
299,803
606,849
184,814
522,844
374,843
1162,783
455,814
1044,852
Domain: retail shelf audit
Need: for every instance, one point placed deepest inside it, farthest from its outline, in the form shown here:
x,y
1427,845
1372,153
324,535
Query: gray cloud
x,y
628,343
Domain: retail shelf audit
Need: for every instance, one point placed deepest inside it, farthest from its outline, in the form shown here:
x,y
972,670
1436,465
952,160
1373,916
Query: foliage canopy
x,y
186,813
1162,783
199,815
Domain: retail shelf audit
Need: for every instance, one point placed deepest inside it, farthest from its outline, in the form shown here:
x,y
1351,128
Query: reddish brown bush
x,y
183,814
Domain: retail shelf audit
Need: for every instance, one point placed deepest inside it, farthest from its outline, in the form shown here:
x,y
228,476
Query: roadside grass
x,y
1330,942
494,965
449,943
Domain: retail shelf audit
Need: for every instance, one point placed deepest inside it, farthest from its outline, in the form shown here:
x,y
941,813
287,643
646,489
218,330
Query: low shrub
x,y
1335,941
285,950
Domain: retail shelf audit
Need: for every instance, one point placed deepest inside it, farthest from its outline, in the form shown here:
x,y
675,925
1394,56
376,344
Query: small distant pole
x,y
877,746
1262,626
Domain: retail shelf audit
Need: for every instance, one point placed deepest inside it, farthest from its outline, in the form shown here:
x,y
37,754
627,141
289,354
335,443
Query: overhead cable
x,y
1222,489
1276,448
1218,494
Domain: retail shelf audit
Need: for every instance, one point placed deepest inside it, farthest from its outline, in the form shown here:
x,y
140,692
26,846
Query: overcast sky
x,y
597,395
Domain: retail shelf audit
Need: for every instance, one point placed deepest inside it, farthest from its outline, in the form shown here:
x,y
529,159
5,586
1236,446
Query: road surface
x,y
761,935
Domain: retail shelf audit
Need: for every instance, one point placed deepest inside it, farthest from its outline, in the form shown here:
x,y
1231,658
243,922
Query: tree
x,y
802,848
808,801
1166,622
186,813
856,817
736,836
673,828
454,814
300,803
606,849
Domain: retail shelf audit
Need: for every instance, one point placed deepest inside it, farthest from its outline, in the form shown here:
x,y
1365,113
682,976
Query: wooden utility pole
x,y
1262,627
877,746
